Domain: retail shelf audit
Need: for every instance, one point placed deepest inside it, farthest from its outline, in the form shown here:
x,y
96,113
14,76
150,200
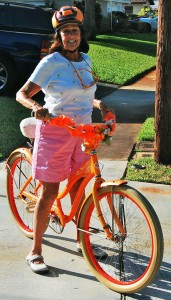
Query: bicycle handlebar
x,y
91,133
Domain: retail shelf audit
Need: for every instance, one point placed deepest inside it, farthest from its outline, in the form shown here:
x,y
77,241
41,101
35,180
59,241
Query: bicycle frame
x,y
87,171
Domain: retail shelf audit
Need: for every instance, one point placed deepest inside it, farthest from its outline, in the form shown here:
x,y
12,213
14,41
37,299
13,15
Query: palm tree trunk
x,y
89,22
162,148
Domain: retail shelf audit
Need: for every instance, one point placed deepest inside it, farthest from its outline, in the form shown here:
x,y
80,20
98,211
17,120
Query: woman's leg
x,y
41,213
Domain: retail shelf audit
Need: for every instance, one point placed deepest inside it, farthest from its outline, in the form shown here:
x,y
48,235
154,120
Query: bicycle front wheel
x,y
131,259
19,182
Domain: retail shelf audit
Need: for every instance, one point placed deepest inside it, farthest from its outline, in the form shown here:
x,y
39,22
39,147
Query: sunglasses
x,y
95,78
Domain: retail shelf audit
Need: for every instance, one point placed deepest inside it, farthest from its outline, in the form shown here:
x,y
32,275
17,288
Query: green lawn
x,y
11,114
152,172
122,59
147,131
117,59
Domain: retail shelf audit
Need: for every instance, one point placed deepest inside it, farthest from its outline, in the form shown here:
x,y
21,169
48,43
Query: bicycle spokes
x,y
22,191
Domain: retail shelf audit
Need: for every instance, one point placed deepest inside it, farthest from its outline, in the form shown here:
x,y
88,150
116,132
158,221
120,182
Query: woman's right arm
x,y
24,96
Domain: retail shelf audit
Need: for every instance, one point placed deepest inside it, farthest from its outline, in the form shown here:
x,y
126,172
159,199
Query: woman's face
x,y
71,36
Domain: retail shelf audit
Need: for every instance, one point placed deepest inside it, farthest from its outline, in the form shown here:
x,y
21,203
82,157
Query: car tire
x,y
7,75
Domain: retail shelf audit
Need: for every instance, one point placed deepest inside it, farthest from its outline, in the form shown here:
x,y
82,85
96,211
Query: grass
x,y
121,59
117,59
11,114
147,131
152,172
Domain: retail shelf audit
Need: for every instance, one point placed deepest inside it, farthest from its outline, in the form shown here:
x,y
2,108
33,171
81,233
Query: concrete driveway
x,y
69,276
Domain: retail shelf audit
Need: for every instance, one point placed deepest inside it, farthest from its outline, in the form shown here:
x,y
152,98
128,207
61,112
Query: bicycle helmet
x,y
67,14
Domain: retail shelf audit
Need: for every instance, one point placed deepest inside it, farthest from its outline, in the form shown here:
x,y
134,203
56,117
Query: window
x,y
26,18
128,10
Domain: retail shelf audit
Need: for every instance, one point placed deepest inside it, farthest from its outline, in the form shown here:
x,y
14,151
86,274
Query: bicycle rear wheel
x,y
19,174
132,260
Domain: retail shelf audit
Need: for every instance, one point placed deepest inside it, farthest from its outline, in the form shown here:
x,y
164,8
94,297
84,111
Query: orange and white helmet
x,y
67,14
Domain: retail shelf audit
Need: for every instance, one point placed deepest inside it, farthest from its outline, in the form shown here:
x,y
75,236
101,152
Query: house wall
x,y
103,7
107,6
137,8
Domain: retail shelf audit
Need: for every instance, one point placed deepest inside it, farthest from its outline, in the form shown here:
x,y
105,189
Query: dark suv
x,y
25,35
25,17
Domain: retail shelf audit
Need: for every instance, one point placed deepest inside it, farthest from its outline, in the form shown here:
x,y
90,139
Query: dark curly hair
x,y
57,44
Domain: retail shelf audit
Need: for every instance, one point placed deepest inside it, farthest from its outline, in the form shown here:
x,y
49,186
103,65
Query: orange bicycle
x,y
114,216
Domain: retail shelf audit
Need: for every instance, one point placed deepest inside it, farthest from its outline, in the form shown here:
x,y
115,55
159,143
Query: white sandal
x,y
40,268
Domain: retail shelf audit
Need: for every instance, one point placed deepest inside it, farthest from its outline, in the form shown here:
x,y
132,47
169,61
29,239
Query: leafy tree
x,y
119,21
148,12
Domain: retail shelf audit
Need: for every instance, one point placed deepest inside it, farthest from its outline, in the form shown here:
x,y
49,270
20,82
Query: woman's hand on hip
x,y
42,114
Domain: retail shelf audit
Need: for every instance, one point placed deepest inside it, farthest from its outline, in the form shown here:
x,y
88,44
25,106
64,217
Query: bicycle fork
x,y
100,182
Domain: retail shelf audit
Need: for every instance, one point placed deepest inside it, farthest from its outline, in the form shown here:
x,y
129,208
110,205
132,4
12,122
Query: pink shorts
x,y
56,154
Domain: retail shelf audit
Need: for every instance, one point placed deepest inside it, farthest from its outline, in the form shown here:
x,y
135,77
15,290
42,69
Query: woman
x,y
66,78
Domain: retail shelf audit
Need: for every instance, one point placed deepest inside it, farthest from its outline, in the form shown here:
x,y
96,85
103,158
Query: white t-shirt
x,y
64,94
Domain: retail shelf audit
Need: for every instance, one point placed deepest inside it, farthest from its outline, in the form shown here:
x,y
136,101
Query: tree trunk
x,y
162,146
89,22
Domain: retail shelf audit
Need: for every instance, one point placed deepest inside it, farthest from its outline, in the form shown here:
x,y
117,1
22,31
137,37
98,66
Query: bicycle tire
x,y
132,262
18,171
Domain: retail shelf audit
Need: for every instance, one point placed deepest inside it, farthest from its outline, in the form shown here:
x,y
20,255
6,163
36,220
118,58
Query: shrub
x,y
105,25
140,27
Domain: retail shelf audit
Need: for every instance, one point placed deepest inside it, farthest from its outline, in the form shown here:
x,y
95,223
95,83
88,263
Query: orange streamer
x,y
91,134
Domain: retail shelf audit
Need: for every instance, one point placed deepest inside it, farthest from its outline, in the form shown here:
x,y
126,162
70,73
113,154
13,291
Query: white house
x,y
107,6
127,6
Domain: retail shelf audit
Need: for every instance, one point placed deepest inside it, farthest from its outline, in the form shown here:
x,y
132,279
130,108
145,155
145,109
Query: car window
x,y
30,18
